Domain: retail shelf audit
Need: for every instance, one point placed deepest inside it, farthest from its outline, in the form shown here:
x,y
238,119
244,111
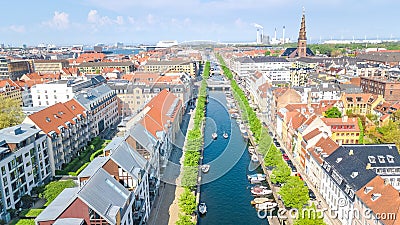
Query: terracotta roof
x,y
163,107
90,57
342,124
365,98
295,119
325,145
75,108
41,76
52,117
387,203
9,82
312,134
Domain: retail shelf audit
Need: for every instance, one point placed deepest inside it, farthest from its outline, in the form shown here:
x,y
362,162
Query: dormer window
x,y
371,159
375,196
354,174
390,158
368,189
48,119
381,159
338,160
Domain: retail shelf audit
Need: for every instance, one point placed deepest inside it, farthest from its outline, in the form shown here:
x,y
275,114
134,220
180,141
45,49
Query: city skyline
x,y
90,21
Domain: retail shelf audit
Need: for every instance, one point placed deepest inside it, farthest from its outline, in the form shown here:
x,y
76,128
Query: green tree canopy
x,y
309,216
187,202
10,112
294,193
280,173
333,113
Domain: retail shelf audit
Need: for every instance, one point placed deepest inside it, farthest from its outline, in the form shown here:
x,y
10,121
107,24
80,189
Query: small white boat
x,y
235,115
202,208
251,149
266,205
205,168
256,175
254,158
225,135
242,128
260,187
260,200
214,136
260,191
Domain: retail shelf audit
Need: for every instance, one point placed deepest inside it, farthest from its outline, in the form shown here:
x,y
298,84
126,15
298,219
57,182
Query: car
x,y
289,162
277,144
298,175
293,168
282,150
270,133
285,157
311,194
275,140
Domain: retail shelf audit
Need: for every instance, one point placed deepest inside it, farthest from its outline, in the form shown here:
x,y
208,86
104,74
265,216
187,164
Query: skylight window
x,y
375,196
354,174
371,159
367,190
338,160
390,158
48,119
381,159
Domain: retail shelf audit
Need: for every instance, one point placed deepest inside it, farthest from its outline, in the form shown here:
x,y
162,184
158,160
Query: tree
x,y
267,53
272,157
294,193
187,202
309,216
280,173
333,113
10,112
184,220
53,189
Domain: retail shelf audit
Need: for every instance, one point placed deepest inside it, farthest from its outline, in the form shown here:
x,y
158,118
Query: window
x,y
371,159
390,158
381,159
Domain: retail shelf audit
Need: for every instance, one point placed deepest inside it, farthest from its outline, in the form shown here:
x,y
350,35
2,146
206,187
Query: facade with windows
x,y
24,164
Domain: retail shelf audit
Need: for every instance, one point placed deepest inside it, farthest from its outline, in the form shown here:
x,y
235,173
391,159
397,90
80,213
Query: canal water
x,y
225,188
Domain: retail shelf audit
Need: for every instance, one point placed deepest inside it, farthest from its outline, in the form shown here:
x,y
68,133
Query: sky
x,y
148,21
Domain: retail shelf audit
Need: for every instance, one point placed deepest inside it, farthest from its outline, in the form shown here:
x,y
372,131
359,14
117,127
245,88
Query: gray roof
x,y
18,133
58,205
129,159
93,166
105,64
89,95
141,135
166,63
261,59
69,221
105,195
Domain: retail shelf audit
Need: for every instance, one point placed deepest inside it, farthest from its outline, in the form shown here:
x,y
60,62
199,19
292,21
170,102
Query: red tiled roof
x,y
388,203
157,117
312,134
52,117
75,108
334,123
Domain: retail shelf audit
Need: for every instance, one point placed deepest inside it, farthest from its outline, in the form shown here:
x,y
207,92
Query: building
x,y
10,89
173,66
101,106
343,130
67,129
301,50
97,67
351,168
47,94
101,200
17,68
274,68
24,163
388,88
137,89
3,68
361,104
50,66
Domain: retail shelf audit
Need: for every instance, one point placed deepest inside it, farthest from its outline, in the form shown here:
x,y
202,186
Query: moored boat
x,y
260,200
202,208
256,175
260,191
266,205
214,136
225,135
254,158
205,168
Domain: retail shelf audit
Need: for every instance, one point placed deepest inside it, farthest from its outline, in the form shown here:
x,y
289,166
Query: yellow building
x,y
9,89
362,103
170,67
344,130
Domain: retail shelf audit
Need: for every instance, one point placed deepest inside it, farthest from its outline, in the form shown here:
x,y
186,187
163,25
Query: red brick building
x,y
389,89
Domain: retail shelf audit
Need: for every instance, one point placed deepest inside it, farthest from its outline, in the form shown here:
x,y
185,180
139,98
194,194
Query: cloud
x,y
150,19
17,28
95,18
131,20
59,21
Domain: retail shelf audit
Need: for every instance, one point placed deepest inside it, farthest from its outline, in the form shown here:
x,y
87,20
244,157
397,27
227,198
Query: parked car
x,y
285,157
282,150
311,194
277,144
298,175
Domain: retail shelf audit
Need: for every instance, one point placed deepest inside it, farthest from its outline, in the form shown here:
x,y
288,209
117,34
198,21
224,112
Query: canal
x,y
225,188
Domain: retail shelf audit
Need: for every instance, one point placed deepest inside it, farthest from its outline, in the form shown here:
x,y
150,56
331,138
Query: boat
x,y
202,208
260,200
266,205
245,135
225,135
242,128
214,136
260,191
254,158
234,115
251,149
256,175
205,168
260,186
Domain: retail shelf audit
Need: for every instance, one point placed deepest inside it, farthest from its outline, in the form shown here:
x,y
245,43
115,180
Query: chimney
x,y
351,152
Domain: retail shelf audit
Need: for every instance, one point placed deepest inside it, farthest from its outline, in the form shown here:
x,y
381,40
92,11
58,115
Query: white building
x,y
275,68
24,163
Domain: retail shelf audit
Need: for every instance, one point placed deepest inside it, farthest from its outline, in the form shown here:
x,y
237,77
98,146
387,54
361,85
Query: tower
x,y
302,41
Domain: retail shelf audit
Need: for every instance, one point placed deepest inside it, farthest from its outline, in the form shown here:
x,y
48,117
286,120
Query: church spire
x,y
302,32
